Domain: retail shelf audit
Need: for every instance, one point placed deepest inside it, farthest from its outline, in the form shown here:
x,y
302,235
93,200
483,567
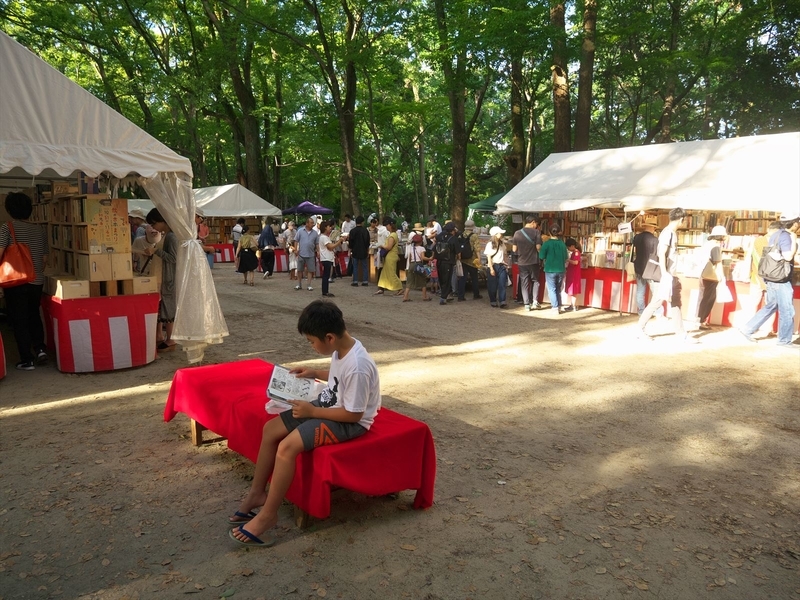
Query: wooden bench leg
x,y
197,432
301,518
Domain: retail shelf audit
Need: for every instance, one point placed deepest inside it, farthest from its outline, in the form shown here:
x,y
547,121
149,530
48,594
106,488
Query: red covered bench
x,y
396,454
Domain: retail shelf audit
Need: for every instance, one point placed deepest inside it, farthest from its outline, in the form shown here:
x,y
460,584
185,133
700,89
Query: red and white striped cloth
x,y
102,334
224,253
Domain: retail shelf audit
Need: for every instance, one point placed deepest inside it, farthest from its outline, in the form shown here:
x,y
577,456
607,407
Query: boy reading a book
x,y
344,410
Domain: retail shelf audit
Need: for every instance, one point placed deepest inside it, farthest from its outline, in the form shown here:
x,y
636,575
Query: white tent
x,y
233,200
50,127
750,173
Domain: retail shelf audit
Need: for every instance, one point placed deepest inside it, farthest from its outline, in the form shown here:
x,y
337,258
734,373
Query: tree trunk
x,y
665,135
423,184
376,140
585,74
515,160
561,106
239,70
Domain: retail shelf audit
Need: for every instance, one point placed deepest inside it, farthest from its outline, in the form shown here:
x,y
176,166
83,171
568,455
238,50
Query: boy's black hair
x,y
154,217
677,214
359,220
240,221
19,205
571,242
245,229
320,318
555,229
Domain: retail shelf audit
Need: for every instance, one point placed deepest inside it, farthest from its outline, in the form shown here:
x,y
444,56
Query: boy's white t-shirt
x,y
353,384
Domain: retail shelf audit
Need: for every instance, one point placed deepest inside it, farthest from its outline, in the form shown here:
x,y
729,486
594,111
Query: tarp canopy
x,y
233,200
307,208
487,204
50,127
749,173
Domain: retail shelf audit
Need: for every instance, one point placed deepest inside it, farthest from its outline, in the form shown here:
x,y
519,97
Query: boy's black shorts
x,y
321,432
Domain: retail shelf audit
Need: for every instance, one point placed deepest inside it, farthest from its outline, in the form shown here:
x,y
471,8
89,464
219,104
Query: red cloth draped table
x,y
101,334
396,454
224,253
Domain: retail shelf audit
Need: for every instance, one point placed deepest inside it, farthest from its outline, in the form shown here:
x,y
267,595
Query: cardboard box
x,y
141,285
93,267
67,288
121,265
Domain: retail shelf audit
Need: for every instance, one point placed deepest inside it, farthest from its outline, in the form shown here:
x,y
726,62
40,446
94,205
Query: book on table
x,y
284,386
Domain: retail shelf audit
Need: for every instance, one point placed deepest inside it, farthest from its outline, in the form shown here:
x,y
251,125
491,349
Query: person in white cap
x,y
497,277
710,274
136,218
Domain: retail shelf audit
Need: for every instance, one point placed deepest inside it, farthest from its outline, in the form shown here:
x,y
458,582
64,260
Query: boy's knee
x,y
290,446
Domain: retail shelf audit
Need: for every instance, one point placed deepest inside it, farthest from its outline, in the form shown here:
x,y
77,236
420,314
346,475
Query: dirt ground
x,y
573,461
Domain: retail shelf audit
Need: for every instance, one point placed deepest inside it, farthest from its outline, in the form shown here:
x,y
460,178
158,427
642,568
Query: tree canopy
x,y
418,106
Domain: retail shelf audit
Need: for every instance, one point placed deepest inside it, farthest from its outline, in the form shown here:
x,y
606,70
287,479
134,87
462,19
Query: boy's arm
x,y
305,372
306,410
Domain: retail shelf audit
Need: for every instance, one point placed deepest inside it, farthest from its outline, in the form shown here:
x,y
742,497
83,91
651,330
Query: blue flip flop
x,y
243,518
253,540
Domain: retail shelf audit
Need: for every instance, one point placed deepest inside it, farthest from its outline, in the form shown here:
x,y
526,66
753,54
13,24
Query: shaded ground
x,y
573,462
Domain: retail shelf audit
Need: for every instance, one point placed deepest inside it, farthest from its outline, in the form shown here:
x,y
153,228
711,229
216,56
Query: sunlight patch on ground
x,y
698,448
69,402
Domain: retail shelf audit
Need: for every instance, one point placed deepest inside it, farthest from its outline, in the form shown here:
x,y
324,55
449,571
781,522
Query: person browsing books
x,y
343,411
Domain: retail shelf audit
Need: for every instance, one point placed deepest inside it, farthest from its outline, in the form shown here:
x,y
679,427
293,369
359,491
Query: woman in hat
x,y
497,276
711,274
246,253
416,258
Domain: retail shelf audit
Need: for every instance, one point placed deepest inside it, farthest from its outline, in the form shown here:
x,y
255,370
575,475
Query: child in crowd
x,y
434,280
344,410
572,284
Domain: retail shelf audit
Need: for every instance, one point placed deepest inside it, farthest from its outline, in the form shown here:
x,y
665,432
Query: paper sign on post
x,y
626,227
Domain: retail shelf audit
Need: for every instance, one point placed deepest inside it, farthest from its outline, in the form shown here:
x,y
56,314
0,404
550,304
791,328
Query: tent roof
x,y
307,208
487,204
233,200
51,126
749,173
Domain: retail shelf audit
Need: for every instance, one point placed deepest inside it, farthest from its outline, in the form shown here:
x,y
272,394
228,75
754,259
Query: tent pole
x,y
623,277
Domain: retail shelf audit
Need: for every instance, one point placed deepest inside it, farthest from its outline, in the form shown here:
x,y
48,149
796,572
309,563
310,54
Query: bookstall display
x,y
99,314
605,250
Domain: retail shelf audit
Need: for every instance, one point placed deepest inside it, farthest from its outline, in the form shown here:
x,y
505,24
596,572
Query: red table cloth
x,y
101,334
396,454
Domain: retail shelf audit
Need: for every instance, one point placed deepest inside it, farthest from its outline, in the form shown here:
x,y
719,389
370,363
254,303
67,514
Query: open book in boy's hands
x,y
284,386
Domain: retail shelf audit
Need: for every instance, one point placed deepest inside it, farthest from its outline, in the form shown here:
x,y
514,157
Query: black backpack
x,y
442,247
464,247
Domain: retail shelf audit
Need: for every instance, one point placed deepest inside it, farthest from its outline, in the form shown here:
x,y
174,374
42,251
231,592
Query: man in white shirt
x,y
347,224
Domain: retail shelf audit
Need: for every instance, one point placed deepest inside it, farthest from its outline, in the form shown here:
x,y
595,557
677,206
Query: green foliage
x,y
164,65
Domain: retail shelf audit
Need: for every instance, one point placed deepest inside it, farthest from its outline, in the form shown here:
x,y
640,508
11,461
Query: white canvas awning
x,y
51,127
233,200
750,173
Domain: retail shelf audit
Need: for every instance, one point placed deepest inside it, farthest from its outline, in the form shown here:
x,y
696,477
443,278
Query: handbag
x,y
652,270
459,269
423,270
17,266
630,270
774,270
